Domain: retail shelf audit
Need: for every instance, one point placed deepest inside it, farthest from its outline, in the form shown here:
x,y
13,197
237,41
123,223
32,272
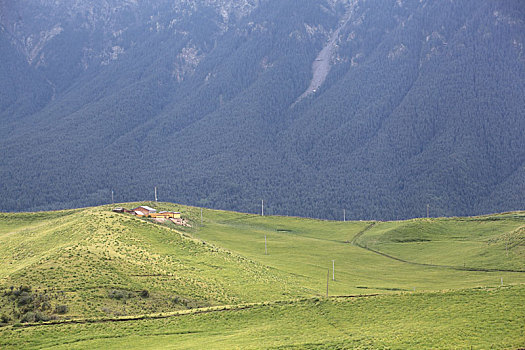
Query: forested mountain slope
x,y
421,103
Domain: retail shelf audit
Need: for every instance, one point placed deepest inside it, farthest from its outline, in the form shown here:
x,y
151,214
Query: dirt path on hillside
x,y
196,311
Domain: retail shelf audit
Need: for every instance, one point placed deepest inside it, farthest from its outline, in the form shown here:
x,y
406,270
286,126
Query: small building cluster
x,y
149,212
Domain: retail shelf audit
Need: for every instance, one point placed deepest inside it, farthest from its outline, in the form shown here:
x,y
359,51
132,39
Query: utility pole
x,y
327,280
201,216
428,207
333,270
155,193
344,214
262,207
112,200
265,246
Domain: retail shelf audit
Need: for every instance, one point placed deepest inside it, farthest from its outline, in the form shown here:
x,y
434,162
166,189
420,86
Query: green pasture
x,y
436,283
486,242
305,249
465,319
81,258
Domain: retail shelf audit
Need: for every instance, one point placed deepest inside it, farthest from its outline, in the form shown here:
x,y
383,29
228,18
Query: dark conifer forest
x,y
219,104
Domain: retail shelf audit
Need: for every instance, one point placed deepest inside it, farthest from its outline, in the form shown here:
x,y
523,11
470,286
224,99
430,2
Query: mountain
x,y
380,108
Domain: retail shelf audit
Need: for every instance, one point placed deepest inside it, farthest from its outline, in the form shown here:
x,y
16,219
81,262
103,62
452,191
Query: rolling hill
x,y
93,259
217,104
108,277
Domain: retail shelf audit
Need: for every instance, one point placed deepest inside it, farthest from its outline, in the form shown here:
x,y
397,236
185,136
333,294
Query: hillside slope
x,y
95,263
91,278
422,104
99,263
480,318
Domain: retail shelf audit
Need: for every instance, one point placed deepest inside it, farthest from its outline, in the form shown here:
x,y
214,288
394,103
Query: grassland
x,y
98,262
478,243
477,319
432,277
459,250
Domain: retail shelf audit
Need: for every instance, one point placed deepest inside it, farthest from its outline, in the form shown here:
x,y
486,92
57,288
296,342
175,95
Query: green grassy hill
x,y
463,252
99,263
494,242
215,283
477,319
